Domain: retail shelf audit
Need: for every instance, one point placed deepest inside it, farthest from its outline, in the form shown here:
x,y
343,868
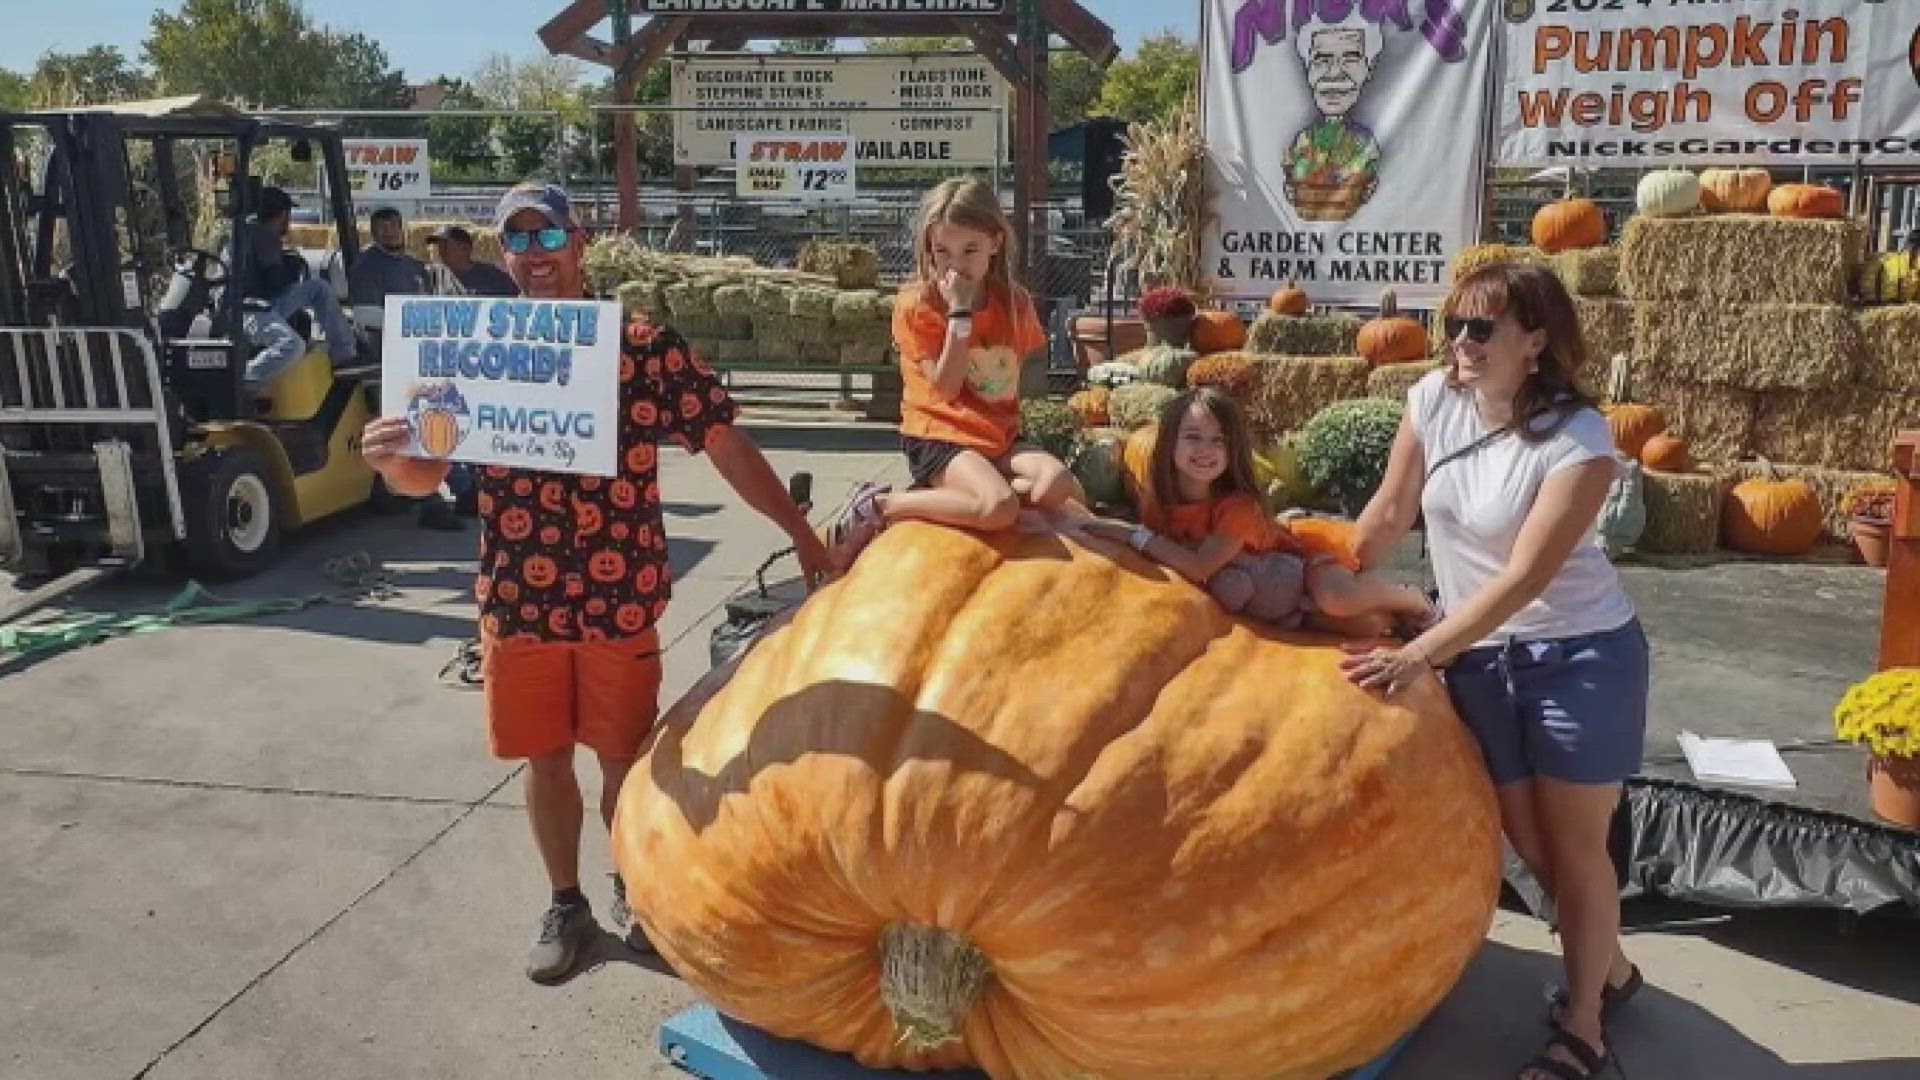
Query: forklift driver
x,y
275,292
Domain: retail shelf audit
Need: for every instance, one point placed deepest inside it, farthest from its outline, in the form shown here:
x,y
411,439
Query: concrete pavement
x,y
279,849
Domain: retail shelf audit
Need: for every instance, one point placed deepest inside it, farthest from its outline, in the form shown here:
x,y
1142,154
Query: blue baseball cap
x,y
550,199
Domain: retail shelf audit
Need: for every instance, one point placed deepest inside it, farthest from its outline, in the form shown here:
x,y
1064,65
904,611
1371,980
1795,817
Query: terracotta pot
x,y
1871,537
1090,339
1174,330
1896,789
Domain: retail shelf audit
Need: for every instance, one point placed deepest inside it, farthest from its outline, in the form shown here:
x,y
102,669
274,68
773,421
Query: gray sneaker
x,y
564,931
622,916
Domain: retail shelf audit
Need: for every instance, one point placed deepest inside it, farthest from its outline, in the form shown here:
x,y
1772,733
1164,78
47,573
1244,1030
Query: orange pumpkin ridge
x,y
1218,331
1091,823
1289,300
1568,225
1392,338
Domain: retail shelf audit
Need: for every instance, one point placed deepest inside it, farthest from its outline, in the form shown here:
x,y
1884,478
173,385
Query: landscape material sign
x,y
898,110
388,168
530,384
1783,82
818,168
1347,155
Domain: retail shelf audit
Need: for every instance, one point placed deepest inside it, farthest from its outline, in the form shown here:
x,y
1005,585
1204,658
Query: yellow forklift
x,y
127,432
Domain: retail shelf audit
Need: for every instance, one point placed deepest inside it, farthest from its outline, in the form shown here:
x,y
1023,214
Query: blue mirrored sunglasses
x,y
516,241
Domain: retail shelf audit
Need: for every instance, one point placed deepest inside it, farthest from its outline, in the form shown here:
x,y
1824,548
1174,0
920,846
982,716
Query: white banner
x,y
1345,155
388,169
531,384
820,168
1785,82
900,110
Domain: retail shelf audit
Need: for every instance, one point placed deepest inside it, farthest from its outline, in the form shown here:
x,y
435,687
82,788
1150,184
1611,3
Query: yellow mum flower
x,y
1882,711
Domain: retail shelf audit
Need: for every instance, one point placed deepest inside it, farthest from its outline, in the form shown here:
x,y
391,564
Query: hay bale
x,y
1274,334
813,331
1831,485
1292,389
1394,380
1890,348
775,326
1848,428
1759,347
743,351
1683,511
807,302
1607,326
733,301
776,351
851,266
865,354
1474,256
1716,421
689,300
771,298
819,353
642,297
311,236
855,311
1588,271
1740,259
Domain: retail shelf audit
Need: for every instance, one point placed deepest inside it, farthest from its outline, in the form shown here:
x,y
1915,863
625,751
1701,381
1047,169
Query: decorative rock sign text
x,y
926,110
531,384
1344,139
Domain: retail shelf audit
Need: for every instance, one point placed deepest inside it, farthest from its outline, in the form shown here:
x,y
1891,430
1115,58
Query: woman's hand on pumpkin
x,y
1376,667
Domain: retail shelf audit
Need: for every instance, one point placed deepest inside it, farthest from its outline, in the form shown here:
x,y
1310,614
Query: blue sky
x,y
423,37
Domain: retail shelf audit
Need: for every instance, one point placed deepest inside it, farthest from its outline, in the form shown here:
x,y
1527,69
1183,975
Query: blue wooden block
x,y
703,1042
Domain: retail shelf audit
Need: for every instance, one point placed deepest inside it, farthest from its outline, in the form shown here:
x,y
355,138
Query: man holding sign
x,y
565,406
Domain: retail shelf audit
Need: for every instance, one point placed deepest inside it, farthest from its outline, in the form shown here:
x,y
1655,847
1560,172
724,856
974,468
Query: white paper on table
x,y
1754,762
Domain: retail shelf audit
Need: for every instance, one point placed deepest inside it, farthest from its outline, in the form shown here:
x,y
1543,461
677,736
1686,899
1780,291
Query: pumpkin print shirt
x,y
985,416
565,557
1238,516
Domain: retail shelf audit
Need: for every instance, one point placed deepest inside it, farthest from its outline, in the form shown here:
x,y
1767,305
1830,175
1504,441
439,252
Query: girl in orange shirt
x,y
1205,518
964,331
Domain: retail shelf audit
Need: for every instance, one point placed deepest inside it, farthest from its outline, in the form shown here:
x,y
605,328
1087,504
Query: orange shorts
x,y
545,696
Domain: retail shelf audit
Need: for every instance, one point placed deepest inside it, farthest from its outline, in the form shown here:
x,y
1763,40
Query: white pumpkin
x,y
1668,193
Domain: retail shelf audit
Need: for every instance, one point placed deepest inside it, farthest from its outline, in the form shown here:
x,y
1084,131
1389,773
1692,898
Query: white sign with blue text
x,y
529,384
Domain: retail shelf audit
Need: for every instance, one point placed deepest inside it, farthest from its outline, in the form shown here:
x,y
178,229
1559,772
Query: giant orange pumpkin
x,y
941,818
1739,191
1392,338
1217,331
1633,425
1568,225
1136,468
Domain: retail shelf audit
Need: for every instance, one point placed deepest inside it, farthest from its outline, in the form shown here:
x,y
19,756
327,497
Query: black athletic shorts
x,y
928,458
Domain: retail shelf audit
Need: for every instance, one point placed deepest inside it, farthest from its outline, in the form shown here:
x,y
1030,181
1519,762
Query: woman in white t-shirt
x,y
1542,652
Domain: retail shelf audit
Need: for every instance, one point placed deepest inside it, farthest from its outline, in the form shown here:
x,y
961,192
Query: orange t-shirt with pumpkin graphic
x,y
565,557
1238,516
985,415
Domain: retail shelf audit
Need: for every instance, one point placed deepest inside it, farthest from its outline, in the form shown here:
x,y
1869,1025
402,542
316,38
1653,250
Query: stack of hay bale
x,y
1305,363
1742,338
736,312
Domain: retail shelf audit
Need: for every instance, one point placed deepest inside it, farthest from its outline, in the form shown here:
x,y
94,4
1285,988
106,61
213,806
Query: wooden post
x,y
1900,616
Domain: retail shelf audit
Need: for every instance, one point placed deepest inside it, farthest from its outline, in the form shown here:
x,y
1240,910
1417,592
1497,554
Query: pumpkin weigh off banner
x,y
1345,142
1777,82
530,384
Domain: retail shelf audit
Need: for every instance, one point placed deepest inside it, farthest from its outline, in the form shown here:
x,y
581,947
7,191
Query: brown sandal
x,y
1611,997
1587,1062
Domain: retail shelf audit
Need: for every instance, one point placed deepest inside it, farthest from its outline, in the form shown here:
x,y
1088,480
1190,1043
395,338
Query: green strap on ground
x,y
193,606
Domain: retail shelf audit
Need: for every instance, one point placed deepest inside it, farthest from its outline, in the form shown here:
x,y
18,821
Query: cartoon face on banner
x,y
439,417
1333,165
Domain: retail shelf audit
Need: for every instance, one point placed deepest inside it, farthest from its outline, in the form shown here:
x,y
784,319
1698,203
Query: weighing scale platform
x,y
703,1042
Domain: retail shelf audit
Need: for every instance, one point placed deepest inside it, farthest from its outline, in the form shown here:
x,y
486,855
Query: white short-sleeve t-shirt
x,y
1475,505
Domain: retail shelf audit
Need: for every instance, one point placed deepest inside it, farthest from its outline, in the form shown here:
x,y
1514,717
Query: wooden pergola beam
x,y
1081,29
571,24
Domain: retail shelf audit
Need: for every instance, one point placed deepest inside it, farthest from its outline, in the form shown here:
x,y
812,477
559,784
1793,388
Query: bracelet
x,y
959,314
1142,536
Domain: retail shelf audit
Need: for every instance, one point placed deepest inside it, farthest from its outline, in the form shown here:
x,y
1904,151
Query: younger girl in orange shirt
x,y
964,331
1205,518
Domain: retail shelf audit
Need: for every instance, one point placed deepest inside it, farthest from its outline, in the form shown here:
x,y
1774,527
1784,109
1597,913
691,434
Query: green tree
x,y
804,45
94,77
1073,86
461,146
1153,82
526,144
270,54
952,43
16,91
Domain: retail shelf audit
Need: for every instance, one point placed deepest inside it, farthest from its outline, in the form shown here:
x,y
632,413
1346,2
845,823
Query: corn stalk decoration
x,y
1160,202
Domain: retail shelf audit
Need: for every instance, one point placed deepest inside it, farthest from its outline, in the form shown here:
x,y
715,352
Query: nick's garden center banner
x,y
1783,82
1344,139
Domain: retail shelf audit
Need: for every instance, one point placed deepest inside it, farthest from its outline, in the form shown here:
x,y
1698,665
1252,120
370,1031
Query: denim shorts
x,y
1572,709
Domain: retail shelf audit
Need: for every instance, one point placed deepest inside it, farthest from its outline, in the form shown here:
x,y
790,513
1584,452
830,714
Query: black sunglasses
x,y
1479,331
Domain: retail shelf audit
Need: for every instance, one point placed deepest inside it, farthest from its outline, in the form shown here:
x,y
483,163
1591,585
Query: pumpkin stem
x,y
929,981
1619,380
1389,305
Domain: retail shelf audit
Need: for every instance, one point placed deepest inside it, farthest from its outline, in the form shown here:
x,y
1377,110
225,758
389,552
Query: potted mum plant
x,y
1869,510
1882,712
1169,311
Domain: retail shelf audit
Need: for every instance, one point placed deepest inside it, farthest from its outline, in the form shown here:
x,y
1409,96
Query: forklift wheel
x,y
232,510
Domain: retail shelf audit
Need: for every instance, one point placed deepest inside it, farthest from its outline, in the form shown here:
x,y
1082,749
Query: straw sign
x,y
388,168
531,384
819,168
